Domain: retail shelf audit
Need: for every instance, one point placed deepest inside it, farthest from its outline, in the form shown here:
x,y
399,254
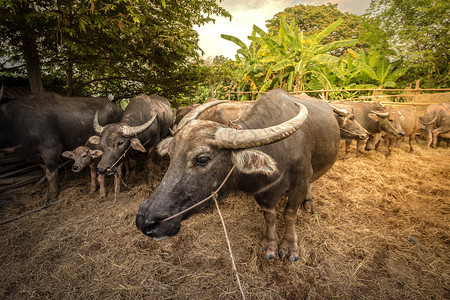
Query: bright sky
x,y
246,13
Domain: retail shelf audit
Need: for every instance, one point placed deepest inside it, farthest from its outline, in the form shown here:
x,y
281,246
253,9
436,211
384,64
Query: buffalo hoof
x,y
292,257
270,255
290,251
269,248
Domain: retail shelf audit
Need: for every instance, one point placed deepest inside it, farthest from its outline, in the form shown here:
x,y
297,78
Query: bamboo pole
x,y
20,171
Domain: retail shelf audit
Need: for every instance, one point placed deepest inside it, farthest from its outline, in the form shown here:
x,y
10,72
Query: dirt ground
x,y
381,231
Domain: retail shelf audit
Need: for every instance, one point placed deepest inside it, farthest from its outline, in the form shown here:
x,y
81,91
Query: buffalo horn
x,y
193,114
135,130
239,139
340,111
430,122
98,129
380,114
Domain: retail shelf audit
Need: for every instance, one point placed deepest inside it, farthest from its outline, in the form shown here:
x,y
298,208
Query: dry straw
x,y
357,246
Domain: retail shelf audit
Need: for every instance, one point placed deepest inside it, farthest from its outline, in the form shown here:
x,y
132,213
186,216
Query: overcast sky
x,y
246,13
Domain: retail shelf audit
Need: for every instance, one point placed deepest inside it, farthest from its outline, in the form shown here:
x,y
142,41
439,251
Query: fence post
x,y
376,92
326,94
417,90
408,97
229,95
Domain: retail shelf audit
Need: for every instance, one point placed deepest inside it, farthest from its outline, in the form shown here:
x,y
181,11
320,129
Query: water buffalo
x,y
349,127
409,123
372,117
436,121
40,127
271,159
87,156
145,121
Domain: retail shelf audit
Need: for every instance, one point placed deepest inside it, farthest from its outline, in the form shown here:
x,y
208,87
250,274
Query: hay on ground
x,y
380,231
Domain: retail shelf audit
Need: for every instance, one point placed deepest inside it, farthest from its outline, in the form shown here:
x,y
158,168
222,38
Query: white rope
x,y
229,248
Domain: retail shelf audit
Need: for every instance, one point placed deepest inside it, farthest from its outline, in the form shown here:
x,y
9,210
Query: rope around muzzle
x,y
214,196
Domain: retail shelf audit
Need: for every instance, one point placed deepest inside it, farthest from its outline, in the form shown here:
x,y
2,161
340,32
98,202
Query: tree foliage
x,y
118,47
311,19
418,31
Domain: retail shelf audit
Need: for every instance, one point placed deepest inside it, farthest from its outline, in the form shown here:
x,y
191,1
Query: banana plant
x,y
248,63
294,59
372,70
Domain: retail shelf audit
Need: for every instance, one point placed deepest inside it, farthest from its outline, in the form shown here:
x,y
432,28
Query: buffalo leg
x,y
151,165
411,138
101,183
430,139
118,178
270,243
348,143
391,143
437,132
359,145
52,177
130,169
308,204
289,246
93,171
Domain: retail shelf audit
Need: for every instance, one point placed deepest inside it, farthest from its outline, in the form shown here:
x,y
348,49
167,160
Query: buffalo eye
x,y
201,161
119,143
84,155
391,120
352,118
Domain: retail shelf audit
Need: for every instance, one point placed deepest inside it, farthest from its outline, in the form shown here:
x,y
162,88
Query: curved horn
x,y
98,129
340,111
135,130
428,123
193,114
238,139
380,114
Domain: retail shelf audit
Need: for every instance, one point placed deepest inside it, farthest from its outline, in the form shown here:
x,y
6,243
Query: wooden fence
x,y
406,96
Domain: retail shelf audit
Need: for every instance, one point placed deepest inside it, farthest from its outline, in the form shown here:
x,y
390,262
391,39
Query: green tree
x,y
311,19
418,31
119,47
290,59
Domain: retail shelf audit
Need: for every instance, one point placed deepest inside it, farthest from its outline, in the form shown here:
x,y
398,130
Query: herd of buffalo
x,y
277,145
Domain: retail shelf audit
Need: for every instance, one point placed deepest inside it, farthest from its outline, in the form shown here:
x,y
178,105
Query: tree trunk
x,y
32,61
30,54
69,73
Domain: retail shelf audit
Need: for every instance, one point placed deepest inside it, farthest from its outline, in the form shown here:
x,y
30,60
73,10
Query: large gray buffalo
x,y
436,121
409,123
373,117
145,121
40,127
278,144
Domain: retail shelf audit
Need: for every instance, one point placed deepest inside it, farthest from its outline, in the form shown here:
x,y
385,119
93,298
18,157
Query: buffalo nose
x,y
75,168
402,133
101,170
147,227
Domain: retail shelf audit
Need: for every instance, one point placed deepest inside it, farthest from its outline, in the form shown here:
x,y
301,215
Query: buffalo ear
x,y
68,154
95,139
250,161
136,145
163,146
95,153
374,117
